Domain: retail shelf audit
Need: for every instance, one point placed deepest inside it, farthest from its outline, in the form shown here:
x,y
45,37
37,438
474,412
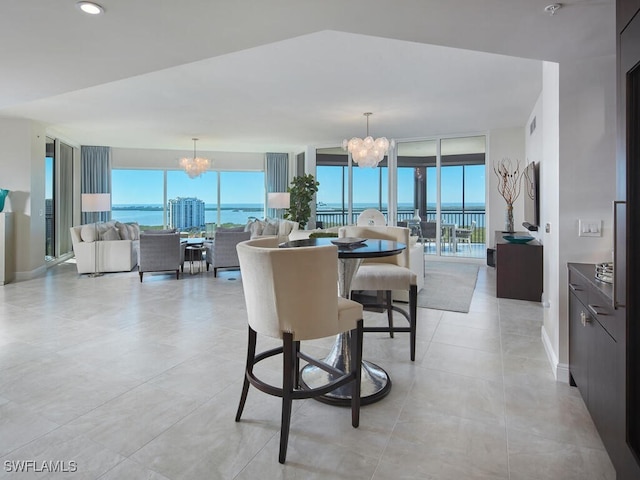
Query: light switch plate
x,y
589,228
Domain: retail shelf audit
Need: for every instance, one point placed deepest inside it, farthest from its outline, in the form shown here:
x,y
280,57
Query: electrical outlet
x,y
589,228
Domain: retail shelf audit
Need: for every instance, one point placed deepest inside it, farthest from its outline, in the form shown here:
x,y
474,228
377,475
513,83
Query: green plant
x,y
302,190
324,235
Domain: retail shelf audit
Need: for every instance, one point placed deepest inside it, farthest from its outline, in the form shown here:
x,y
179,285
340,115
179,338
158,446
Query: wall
x,y
160,159
22,152
586,173
503,143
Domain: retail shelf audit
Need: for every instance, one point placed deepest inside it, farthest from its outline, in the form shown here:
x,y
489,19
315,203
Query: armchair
x,y
160,252
222,252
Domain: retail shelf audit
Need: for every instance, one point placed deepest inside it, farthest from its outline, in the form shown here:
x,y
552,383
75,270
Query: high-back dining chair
x,y
291,294
371,216
387,274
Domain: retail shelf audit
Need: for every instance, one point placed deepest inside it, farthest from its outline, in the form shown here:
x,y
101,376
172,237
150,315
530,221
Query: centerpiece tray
x,y
348,241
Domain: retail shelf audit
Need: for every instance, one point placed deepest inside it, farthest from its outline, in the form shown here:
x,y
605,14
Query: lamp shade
x,y
96,202
278,200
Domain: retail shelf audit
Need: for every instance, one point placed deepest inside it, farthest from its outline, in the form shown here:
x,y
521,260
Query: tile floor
x,y
141,381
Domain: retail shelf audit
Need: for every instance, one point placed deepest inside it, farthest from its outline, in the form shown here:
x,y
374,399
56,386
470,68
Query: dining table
x,y
375,383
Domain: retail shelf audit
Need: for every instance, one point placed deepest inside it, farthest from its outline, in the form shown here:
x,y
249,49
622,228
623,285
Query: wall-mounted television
x,y
531,188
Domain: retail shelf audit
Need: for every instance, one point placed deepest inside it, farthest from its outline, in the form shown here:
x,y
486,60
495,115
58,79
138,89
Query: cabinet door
x,y
604,391
579,346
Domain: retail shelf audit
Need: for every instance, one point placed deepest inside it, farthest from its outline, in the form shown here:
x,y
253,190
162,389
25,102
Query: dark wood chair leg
x,y
287,393
251,354
215,272
141,273
390,312
178,274
413,312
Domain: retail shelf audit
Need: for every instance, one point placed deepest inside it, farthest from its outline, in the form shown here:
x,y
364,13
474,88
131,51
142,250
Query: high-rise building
x,y
186,213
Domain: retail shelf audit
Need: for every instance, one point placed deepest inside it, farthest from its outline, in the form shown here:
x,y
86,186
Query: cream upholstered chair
x,y
387,274
292,294
464,235
371,216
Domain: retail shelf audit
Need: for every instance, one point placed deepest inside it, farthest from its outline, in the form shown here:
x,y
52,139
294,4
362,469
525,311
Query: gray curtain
x,y
96,177
277,178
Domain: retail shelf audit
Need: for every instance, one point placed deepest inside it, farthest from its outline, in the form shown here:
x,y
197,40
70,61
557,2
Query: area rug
x,y
448,286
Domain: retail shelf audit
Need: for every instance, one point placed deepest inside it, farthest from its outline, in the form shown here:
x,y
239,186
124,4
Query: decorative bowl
x,y
518,238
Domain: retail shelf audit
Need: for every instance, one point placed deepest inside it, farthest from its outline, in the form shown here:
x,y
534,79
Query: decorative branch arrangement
x,y
509,183
508,179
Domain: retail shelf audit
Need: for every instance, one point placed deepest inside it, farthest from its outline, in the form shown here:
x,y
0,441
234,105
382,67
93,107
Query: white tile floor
x,y
135,381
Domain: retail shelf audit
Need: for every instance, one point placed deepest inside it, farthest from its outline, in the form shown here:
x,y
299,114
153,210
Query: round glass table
x,y
375,381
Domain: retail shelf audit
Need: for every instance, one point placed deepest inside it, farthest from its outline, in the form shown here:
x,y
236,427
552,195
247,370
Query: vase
x,y
508,218
3,196
416,215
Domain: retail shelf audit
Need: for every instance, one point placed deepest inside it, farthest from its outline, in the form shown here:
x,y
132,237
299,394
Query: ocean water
x,y
151,215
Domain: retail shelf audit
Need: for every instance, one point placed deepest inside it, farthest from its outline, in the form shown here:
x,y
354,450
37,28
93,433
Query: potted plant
x,y
301,190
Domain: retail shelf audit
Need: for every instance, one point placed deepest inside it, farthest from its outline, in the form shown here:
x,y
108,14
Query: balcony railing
x,y
461,218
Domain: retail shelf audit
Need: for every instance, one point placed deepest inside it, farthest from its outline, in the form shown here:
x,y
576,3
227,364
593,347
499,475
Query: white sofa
x,y
272,227
117,245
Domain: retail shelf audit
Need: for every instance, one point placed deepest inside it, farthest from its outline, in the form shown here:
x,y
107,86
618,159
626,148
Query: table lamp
x,y
278,201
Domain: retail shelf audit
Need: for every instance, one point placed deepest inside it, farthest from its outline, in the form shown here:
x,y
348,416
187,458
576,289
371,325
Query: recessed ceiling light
x,y
553,8
90,8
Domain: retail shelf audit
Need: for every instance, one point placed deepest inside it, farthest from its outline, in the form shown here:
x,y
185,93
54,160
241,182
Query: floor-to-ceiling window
x,y
444,180
49,189
58,174
170,199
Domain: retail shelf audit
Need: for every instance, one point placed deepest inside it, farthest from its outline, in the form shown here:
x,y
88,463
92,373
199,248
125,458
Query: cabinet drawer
x,y
579,286
601,309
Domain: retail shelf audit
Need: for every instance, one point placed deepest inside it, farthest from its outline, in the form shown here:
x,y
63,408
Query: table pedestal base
x,y
375,382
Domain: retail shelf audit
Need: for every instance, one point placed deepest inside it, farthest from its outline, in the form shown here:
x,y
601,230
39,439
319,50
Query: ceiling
x,y
259,75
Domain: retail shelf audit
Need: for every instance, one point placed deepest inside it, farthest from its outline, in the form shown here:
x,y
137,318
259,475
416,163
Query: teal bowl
x,y
518,238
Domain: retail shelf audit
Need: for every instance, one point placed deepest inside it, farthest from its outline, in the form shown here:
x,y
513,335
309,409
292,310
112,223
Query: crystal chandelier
x,y
367,152
196,166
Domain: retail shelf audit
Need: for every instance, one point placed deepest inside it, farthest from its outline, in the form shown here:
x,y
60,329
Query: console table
x,y
518,268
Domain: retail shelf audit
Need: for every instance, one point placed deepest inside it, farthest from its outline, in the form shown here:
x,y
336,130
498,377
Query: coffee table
x,y
375,381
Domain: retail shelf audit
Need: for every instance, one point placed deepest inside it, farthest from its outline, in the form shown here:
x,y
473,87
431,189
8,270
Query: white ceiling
x,y
258,75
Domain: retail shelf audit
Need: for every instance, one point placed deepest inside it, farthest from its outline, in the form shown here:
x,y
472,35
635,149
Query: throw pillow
x,y
110,234
123,230
270,228
88,233
134,231
257,228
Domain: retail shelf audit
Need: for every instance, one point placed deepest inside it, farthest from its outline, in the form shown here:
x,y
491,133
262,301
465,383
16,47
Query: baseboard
x,y
36,272
560,370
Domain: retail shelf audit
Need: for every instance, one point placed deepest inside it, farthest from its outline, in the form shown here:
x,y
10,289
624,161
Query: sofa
x,y
271,227
117,245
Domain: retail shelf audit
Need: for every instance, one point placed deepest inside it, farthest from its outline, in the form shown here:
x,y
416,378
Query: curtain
x,y
96,177
65,200
277,177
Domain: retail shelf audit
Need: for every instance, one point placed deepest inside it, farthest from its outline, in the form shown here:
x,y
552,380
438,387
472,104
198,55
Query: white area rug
x,y
448,286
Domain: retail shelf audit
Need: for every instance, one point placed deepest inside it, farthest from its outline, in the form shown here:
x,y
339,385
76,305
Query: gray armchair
x,y
222,252
160,252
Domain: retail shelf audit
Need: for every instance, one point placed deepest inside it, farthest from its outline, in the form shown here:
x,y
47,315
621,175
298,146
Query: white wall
x,y
161,159
586,173
22,152
503,143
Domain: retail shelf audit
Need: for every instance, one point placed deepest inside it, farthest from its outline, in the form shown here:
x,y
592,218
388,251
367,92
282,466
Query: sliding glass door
x,y
58,174
444,181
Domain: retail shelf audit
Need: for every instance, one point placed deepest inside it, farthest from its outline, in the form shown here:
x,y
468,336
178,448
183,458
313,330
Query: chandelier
x,y
196,166
367,152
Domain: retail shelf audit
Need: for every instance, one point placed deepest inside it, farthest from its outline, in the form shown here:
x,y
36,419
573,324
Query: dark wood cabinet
x,y
627,231
597,359
518,269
